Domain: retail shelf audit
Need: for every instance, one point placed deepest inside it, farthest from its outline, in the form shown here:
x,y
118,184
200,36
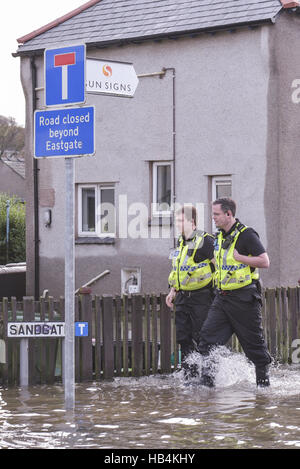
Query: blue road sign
x,y
64,132
81,329
65,75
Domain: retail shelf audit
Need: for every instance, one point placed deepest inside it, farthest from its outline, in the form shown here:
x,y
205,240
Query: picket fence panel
x,y
128,336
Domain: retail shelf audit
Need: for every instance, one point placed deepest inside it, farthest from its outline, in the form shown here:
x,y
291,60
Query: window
x,y
96,210
162,188
221,187
88,212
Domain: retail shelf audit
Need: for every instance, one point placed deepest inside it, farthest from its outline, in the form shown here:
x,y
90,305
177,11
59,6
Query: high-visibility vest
x,y
187,274
231,274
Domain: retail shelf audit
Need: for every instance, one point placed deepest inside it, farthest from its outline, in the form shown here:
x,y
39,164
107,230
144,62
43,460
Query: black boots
x,y
190,370
208,373
262,376
207,380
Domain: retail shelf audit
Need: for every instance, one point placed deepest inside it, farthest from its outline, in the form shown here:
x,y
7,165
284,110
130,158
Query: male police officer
x,y
191,283
237,306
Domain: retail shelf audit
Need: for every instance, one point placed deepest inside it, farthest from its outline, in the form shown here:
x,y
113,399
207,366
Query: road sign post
x,y
69,341
69,132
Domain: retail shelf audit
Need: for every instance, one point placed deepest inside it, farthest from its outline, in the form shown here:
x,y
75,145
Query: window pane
x,y
107,210
163,192
223,189
88,209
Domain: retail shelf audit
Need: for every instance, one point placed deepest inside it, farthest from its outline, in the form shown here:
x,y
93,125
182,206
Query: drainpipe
x,y
161,75
174,147
35,195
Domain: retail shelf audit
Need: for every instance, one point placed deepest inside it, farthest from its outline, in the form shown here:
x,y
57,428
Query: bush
x,y
16,246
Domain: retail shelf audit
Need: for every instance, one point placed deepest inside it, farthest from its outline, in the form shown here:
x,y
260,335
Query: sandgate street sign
x,y
35,329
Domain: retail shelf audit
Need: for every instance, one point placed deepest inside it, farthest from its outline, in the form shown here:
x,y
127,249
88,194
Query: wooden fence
x,y
128,336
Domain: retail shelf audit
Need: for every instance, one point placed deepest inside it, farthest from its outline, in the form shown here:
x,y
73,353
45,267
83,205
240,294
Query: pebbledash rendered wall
x,y
227,88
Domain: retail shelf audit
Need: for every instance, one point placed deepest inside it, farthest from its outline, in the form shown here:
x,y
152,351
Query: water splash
x,y
233,369
229,368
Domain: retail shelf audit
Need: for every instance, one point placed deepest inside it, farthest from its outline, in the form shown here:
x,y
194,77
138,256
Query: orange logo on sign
x,y
107,70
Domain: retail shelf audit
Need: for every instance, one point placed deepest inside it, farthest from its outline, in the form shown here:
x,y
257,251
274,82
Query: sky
x,y
20,17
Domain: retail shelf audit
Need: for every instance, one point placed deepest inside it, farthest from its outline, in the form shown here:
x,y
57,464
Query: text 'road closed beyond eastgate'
x,y
64,132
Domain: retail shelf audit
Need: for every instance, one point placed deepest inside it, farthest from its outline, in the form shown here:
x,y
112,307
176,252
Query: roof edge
x,y
56,22
157,37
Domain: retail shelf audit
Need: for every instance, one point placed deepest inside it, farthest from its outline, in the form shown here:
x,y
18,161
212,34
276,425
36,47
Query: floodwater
x,y
159,412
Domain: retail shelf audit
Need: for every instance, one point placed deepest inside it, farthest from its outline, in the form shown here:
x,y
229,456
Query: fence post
x,y
147,334
292,307
154,334
98,337
137,334
5,321
118,319
25,347
271,319
85,343
108,337
165,335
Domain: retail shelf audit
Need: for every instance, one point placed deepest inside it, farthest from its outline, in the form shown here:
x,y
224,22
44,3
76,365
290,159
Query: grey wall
x,y
282,194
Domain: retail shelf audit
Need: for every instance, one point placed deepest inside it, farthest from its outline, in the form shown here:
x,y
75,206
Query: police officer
x,y
237,306
191,283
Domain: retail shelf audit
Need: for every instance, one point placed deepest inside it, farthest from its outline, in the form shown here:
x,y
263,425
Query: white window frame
x,y
226,180
81,232
155,212
97,233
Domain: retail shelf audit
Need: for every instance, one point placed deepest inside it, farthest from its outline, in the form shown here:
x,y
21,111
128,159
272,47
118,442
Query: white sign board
x,y
35,329
110,78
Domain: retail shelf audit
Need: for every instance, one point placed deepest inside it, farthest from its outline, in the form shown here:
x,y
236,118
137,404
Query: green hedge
x,y
16,246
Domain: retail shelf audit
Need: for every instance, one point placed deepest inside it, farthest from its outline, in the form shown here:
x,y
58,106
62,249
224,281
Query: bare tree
x,y
12,137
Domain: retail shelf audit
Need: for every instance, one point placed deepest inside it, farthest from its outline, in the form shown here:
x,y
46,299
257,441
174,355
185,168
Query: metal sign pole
x,y
69,341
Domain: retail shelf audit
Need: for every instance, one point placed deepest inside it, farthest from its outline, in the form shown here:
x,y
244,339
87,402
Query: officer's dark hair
x,y
189,211
226,204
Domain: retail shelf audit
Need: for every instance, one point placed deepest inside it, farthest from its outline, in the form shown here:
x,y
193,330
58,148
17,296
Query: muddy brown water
x,y
159,412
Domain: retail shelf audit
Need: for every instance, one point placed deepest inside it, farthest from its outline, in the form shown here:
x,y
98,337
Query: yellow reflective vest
x,y
187,274
231,274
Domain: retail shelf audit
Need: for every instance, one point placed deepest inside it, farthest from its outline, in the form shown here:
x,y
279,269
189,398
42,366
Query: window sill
x,y
94,240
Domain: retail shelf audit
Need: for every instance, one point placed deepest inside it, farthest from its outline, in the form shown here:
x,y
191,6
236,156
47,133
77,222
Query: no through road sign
x,y
65,75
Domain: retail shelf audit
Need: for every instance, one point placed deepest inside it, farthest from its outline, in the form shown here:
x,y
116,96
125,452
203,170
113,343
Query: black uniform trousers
x,y
191,309
237,311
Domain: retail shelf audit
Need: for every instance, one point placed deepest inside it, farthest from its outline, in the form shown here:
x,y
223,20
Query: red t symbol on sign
x,y
63,61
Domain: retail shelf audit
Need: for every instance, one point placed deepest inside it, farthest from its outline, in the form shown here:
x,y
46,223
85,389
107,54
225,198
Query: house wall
x,y
222,127
282,193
